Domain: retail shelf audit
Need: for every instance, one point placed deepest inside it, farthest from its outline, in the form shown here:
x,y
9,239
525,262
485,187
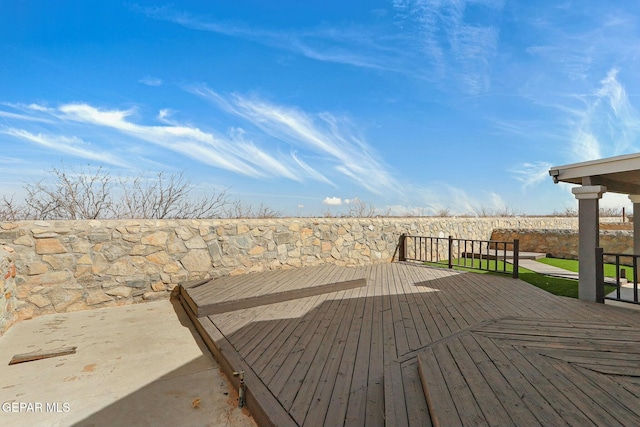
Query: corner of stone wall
x,y
7,288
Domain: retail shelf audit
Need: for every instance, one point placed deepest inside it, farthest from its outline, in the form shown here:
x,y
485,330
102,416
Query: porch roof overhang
x,y
620,174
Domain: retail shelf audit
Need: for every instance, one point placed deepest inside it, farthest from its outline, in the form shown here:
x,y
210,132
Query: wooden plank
x,y
567,406
420,307
381,329
357,398
511,402
316,403
586,398
395,407
468,410
279,366
276,346
414,397
442,409
41,354
536,403
627,399
493,411
337,410
277,297
289,380
395,336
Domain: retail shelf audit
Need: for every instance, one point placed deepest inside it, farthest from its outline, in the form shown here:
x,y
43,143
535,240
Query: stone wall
x,y
7,288
564,243
65,266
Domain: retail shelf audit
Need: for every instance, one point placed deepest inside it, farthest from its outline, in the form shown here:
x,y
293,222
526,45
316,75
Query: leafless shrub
x,y
611,212
10,210
167,196
239,210
71,195
568,212
497,212
442,212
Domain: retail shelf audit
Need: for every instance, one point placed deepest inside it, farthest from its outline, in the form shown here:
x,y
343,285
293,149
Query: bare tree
x,y
239,210
497,212
443,212
360,209
610,212
72,195
167,196
568,212
10,210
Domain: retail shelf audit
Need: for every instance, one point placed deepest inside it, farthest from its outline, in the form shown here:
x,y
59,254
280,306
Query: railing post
x,y
450,252
600,275
516,257
402,254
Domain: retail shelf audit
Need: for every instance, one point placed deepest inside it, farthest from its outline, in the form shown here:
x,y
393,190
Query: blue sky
x,y
412,106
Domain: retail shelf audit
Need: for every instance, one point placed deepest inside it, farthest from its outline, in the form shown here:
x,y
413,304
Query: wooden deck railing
x,y
620,261
474,254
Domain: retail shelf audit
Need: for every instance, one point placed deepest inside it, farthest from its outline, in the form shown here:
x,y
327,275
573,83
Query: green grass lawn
x,y
555,285
572,265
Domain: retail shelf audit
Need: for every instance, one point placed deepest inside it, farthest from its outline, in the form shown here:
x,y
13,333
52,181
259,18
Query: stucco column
x,y
589,238
635,199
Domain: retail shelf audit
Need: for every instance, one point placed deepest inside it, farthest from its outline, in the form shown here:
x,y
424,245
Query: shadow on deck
x,y
401,344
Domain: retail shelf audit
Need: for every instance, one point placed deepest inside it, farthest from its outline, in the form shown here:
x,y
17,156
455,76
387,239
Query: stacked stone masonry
x,y
564,243
65,266
7,288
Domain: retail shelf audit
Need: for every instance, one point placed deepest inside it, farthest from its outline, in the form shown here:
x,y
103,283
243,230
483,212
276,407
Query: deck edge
x,y
255,391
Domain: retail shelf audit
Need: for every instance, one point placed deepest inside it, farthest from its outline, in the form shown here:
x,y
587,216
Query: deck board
x,y
420,346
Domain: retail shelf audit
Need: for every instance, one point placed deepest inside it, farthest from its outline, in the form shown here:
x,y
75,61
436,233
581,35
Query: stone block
x,y
196,260
256,250
159,238
195,242
49,246
24,241
62,298
37,267
97,297
158,286
60,261
161,258
50,278
39,300
215,251
153,296
99,237
284,237
172,267
120,292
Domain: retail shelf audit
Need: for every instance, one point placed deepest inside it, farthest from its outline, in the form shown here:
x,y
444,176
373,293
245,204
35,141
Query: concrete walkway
x,y
136,365
547,270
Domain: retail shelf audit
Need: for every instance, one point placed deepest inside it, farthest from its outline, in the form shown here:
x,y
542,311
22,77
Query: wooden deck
x,y
405,345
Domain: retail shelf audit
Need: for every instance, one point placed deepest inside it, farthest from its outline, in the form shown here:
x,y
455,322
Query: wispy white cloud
x,y
532,173
72,146
314,145
324,133
22,117
451,42
608,125
151,81
356,47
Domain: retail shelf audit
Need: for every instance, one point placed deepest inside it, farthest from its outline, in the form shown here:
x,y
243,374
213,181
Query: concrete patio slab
x,y
140,365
